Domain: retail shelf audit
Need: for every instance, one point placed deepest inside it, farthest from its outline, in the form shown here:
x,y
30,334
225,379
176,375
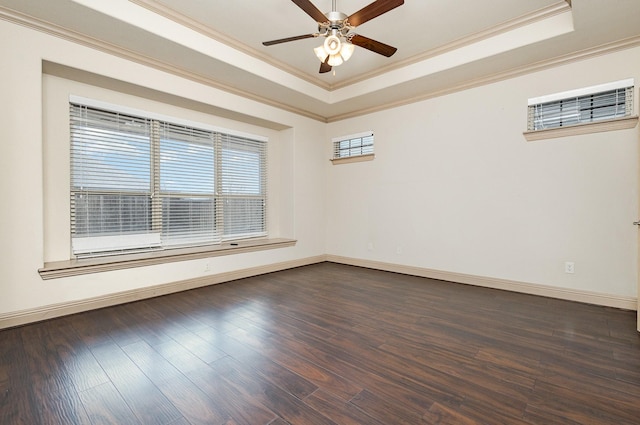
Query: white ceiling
x,y
443,45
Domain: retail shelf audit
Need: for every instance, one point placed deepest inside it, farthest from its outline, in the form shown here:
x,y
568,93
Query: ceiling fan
x,y
337,28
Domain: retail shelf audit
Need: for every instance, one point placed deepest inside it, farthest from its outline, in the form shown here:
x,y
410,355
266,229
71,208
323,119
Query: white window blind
x,y
186,191
111,185
243,192
353,145
141,184
594,104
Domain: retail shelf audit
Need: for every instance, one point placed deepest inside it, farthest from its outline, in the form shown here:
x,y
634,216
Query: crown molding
x,y
49,28
180,18
503,28
18,18
545,13
590,53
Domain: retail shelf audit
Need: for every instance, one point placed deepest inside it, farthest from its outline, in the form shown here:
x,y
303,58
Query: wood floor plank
x,y
122,331
145,322
327,344
155,367
192,403
241,408
179,357
199,347
17,403
410,394
341,412
385,411
105,406
261,364
443,415
49,376
300,364
143,397
543,416
172,315
583,407
80,365
285,405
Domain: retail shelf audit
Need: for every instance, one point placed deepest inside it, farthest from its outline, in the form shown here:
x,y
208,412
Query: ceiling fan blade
x,y
373,45
311,10
324,66
373,10
285,40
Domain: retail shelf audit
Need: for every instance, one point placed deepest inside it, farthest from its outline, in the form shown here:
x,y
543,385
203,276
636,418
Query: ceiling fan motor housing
x,y
336,22
335,17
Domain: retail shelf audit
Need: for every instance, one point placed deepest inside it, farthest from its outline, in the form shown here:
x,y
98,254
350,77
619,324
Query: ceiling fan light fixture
x,y
332,45
346,51
335,60
321,53
335,56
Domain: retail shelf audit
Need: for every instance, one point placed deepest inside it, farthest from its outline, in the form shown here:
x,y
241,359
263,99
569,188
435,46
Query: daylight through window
x,y
141,184
599,103
354,145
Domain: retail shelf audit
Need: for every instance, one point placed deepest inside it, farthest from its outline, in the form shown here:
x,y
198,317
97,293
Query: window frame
x,y
577,125
158,195
366,150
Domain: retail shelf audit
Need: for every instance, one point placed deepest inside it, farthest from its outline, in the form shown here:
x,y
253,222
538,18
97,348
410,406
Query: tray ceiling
x,y
443,45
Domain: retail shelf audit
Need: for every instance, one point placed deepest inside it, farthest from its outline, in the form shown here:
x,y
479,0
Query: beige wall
x,y
455,187
34,165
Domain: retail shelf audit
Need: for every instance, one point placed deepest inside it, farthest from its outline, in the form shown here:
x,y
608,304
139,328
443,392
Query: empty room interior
x,y
319,212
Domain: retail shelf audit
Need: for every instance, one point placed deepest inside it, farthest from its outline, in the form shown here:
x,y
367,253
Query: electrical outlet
x,y
207,267
399,250
370,246
569,267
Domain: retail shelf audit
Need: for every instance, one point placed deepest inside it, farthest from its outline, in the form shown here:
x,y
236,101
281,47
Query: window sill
x,y
59,269
350,159
578,129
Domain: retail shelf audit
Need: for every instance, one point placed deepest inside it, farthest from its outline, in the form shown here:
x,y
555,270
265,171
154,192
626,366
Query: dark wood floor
x,y
327,344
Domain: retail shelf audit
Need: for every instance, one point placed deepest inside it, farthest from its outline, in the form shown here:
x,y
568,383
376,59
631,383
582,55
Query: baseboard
x,y
617,301
18,318
63,309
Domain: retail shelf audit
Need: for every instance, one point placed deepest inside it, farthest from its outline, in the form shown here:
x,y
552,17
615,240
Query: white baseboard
x,y
617,301
63,309
57,310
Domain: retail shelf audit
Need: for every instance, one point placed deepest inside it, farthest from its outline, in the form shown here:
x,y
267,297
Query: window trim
x,y
580,129
77,267
350,159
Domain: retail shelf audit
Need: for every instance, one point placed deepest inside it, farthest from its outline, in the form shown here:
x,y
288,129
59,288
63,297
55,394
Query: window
x,y
592,104
357,145
140,183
